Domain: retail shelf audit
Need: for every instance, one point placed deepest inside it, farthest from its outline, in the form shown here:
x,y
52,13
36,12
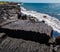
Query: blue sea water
x,y
52,9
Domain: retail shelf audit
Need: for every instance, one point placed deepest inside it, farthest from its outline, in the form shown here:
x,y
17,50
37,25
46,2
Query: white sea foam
x,y
58,14
51,21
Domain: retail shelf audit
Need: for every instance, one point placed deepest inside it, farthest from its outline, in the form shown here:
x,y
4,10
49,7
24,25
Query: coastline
x,y
51,21
27,31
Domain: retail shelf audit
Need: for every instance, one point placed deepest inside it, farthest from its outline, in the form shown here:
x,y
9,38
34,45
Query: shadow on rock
x,y
26,35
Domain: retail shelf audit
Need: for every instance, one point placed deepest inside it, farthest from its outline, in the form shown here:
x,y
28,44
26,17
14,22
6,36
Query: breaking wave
x,y
51,21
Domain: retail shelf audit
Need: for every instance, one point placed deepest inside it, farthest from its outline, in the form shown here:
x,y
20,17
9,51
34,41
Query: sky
x,y
35,1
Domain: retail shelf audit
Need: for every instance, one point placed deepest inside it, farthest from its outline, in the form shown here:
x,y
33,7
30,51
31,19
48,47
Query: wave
x,y
51,21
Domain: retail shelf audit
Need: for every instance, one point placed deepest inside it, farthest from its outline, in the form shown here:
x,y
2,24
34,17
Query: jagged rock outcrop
x,y
22,28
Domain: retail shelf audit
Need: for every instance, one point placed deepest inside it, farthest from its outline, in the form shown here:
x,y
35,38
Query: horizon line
x,y
29,2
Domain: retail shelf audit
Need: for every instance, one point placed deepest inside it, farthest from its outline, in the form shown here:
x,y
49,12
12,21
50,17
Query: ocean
x,y
52,9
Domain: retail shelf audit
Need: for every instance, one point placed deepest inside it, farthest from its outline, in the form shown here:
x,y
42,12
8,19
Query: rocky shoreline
x,y
51,21
24,33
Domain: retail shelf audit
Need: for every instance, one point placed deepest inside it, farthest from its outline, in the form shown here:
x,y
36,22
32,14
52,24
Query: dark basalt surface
x,y
19,45
23,41
25,34
25,29
27,25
